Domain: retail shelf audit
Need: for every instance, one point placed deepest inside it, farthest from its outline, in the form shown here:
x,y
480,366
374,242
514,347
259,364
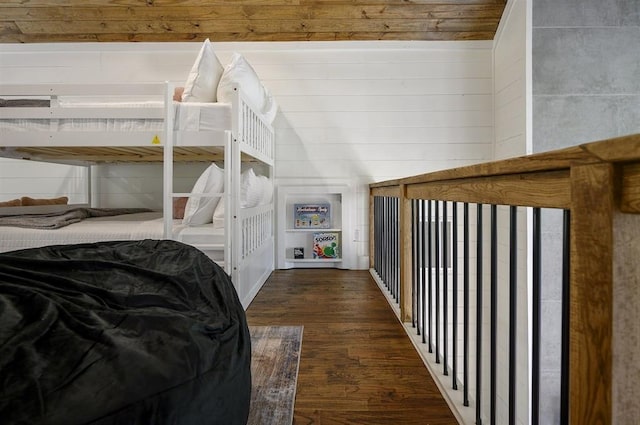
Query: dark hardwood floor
x,y
357,364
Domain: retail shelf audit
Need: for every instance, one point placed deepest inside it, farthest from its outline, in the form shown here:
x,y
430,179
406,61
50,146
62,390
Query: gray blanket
x,y
55,220
21,103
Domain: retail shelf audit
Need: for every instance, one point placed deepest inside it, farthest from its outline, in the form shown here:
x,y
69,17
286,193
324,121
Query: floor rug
x,y
275,356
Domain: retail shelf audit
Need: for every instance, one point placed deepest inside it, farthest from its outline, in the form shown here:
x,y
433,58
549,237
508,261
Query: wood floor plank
x,y
357,365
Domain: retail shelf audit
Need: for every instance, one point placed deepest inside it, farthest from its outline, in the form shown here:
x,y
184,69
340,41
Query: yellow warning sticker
x,y
156,140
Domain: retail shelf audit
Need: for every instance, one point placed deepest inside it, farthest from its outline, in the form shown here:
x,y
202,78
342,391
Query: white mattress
x,y
192,116
122,227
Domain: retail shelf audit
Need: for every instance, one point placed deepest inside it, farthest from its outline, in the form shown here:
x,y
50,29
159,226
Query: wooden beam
x,y
227,11
207,3
630,191
624,148
281,26
561,159
103,154
17,37
545,190
591,294
406,270
247,20
392,191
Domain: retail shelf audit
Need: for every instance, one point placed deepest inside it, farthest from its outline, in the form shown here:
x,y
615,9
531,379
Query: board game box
x,y
326,245
312,216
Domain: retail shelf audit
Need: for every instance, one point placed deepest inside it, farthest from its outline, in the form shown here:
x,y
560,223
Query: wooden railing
x,y
598,186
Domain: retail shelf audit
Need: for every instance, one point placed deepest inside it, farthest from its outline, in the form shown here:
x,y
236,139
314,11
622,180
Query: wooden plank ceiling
x,y
37,21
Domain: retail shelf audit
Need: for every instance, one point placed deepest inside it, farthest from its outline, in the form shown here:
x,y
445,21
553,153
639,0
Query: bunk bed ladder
x,y
169,194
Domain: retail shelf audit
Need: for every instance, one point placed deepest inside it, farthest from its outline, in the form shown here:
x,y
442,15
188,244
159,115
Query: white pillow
x,y
270,107
238,73
199,209
250,189
202,83
267,190
218,215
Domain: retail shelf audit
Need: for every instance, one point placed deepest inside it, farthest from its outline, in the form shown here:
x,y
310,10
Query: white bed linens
x,y
137,226
191,116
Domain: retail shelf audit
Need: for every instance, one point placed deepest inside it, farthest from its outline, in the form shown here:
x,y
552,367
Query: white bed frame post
x,y
167,192
91,185
229,205
236,225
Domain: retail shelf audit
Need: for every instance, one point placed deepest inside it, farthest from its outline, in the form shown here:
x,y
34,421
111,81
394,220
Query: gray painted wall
x,y
586,71
586,87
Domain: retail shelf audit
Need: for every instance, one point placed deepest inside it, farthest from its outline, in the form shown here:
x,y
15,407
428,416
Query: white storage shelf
x,y
303,238
291,237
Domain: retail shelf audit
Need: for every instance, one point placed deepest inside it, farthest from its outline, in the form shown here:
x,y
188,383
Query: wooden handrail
x,y
617,150
596,182
534,174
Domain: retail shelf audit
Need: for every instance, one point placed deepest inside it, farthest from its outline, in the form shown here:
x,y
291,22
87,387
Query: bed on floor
x,y
222,119
124,332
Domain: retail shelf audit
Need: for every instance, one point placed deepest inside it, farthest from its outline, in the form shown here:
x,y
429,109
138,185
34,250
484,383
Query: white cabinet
x,y
290,237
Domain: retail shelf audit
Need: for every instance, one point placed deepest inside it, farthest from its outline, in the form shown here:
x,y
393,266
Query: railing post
x,y
372,246
591,293
405,255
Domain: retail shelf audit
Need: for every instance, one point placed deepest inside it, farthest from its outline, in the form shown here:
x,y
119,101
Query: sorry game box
x,y
326,245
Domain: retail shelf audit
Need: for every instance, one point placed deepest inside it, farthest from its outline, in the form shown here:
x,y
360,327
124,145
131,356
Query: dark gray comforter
x,y
55,220
121,333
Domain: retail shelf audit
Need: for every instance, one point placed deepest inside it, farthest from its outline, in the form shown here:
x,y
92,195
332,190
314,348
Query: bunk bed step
x,y
208,246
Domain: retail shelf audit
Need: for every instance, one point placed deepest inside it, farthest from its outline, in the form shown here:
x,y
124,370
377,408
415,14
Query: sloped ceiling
x,y
36,21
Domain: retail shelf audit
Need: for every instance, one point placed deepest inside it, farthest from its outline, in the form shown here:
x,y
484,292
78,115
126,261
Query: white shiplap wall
x,y
512,64
349,111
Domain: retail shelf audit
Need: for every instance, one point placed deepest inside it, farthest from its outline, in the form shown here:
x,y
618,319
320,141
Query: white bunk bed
x,y
245,245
